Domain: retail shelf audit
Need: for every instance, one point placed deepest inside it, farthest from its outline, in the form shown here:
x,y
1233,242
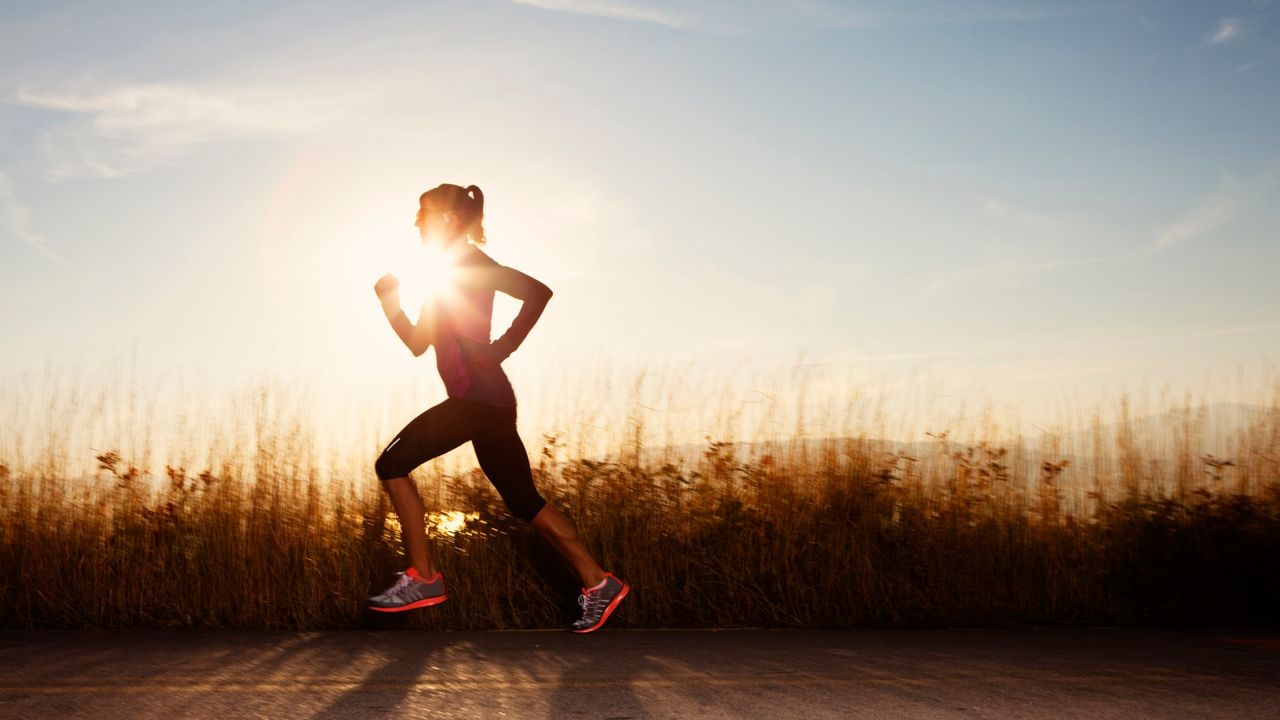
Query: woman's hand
x,y
388,290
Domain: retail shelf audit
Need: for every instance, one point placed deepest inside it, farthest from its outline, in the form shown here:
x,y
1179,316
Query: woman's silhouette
x,y
480,407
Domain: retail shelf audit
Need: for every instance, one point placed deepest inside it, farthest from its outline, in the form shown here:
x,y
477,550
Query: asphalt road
x,y
1008,673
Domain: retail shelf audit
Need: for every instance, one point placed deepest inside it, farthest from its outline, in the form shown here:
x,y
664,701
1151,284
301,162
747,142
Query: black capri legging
x,y
492,432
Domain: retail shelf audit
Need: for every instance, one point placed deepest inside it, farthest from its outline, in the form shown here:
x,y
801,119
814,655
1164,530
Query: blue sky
x,y
1030,198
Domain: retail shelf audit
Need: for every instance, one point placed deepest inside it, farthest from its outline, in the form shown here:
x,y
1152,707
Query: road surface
x,y
983,673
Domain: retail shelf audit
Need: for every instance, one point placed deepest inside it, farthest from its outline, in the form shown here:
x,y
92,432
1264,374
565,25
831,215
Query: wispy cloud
x,y
1189,334
1201,219
127,128
1025,268
1213,212
13,216
911,357
613,9
752,16
1228,30
1026,218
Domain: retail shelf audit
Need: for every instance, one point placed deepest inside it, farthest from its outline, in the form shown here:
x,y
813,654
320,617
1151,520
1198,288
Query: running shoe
x,y
410,591
598,603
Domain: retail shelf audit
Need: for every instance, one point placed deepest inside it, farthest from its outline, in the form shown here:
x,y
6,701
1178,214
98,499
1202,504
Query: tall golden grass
x,y
1114,523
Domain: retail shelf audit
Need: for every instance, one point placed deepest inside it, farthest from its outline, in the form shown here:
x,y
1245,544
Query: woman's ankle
x,y
425,571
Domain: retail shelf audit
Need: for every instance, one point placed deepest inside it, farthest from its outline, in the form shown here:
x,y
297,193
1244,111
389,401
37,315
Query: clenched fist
x,y
388,289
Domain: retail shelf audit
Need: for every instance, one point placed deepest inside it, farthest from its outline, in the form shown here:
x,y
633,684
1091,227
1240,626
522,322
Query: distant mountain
x,y
1214,426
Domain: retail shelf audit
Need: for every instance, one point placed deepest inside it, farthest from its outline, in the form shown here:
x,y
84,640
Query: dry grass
x,y
848,531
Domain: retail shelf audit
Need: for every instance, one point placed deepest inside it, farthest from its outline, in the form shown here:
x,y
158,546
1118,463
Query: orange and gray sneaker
x,y
599,602
410,591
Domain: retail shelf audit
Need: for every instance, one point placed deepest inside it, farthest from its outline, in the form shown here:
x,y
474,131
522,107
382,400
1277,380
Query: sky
x,y
1033,200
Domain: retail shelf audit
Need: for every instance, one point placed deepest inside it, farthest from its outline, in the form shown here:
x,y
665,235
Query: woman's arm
x,y
415,337
535,296
534,293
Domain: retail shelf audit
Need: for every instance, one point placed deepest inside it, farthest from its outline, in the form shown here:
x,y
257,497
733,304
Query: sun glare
x,y
425,272
451,522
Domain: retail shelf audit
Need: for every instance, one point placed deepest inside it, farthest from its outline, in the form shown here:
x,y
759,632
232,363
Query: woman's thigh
x,y
503,458
436,431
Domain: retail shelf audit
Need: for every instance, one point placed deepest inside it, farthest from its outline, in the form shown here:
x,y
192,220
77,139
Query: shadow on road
x,y
403,659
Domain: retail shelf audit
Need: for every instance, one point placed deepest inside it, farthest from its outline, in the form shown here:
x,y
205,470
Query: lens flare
x,y
426,272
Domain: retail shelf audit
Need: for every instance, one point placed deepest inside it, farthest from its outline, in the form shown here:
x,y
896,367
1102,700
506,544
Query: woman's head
x,y
451,213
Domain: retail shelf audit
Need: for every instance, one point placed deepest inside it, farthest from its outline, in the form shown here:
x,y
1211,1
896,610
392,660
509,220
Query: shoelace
x,y
402,583
594,600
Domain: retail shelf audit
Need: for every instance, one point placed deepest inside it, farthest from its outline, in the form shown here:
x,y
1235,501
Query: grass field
x,y
1120,522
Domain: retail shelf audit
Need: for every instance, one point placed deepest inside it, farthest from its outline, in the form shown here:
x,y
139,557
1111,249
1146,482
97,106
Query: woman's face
x,y
434,223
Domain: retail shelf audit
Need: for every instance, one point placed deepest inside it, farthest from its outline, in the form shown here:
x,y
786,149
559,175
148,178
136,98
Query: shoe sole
x,y
607,611
426,602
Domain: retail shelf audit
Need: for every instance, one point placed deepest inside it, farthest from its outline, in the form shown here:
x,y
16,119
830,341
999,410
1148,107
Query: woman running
x,y
480,407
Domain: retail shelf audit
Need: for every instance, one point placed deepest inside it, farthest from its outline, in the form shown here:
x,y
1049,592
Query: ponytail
x,y
475,213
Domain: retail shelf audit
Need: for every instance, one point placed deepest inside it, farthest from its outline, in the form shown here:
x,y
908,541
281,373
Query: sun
x,y
426,272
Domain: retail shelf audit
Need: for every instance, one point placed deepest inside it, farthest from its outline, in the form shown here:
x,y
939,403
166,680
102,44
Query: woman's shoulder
x,y
478,270
480,257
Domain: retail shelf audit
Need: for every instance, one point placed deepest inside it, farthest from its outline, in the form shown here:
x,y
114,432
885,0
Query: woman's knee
x,y
526,509
386,468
